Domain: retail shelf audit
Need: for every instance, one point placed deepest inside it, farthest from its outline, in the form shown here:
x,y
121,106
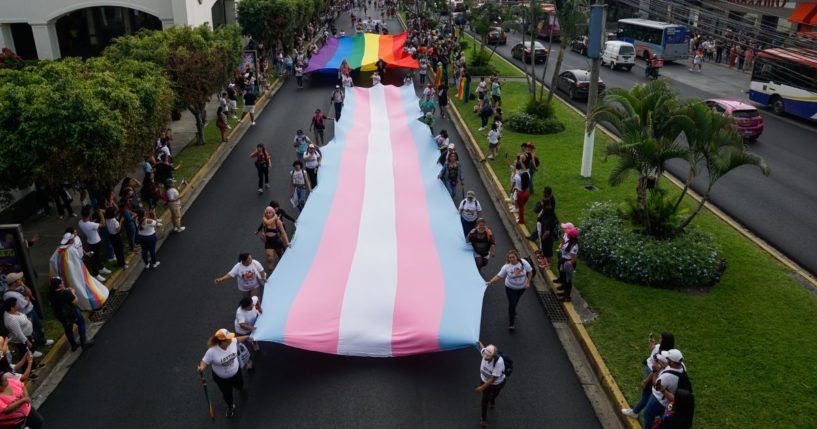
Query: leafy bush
x,y
463,44
687,260
657,216
526,123
480,65
539,108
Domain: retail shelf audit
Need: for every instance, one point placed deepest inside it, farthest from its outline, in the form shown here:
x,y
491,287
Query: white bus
x,y
786,80
669,41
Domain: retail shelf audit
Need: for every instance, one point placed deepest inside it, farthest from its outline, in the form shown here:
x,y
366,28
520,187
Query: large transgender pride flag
x,y
379,266
362,52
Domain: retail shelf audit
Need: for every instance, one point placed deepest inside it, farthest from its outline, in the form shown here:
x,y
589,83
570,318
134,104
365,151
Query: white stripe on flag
x,y
368,304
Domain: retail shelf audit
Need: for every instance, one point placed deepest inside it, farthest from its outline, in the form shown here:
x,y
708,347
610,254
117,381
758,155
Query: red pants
x,y
521,199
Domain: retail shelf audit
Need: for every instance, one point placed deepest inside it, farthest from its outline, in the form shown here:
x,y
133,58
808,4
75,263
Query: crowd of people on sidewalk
x,y
733,51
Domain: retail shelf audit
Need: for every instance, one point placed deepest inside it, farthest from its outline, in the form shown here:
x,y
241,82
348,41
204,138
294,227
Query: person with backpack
x,y
245,317
493,371
337,100
318,126
299,185
517,273
470,210
666,384
451,175
64,305
482,241
680,411
301,143
653,364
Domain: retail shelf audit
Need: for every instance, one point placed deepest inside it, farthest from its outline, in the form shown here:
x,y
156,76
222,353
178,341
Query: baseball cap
x,y
673,355
66,238
223,334
470,194
451,145
13,277
488,352
573,233
567,226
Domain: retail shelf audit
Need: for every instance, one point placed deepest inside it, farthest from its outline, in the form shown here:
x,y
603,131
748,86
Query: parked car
x,y
523,50
497,36
748,122
618,54
576,83
579,45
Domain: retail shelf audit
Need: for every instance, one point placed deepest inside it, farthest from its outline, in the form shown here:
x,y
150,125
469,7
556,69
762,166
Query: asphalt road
x,y
780,208
141,372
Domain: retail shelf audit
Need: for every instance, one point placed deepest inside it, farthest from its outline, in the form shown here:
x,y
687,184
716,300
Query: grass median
x,y
503,68
748,343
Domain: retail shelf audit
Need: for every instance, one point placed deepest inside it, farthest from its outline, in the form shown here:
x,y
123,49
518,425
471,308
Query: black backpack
x,y
683,380
508,363
530,262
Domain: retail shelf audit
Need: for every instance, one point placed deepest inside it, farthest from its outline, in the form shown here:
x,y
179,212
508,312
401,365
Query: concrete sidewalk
x,y
50,228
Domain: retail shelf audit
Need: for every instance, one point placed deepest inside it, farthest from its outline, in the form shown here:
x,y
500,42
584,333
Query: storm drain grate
x,y
110,307
553,307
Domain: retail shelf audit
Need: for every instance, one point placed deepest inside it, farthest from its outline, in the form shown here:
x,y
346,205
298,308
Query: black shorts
x,y
274,243
496,98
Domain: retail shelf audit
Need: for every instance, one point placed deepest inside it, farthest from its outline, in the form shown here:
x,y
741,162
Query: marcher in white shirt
x,y
517,273
245,317
249,275
470,210
222,357
492,377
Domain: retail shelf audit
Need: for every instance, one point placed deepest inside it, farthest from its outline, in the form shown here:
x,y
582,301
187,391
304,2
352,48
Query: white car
x,y
618,54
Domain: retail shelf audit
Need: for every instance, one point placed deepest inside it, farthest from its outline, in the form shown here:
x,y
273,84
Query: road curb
x,y
123,280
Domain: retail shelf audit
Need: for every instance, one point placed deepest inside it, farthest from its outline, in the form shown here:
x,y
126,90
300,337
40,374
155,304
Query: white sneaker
x,y
100,278
260,190
49,342
266,185
629,413
155,264
229,127
481,128
125,267
181,228
105,271
37,354
253,122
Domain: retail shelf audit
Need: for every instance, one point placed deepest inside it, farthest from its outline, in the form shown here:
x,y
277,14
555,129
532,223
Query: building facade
x,y
50,29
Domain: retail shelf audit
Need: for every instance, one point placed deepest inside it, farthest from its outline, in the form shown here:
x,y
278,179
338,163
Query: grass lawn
x,y
503,68
749,343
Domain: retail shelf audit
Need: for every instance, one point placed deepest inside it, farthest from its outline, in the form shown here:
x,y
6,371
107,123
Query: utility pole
x,y
598,16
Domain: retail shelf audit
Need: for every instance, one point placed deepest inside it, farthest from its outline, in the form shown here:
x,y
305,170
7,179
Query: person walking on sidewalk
x,y
262,161
517,273
248,273
337,100
92,237
221,123
222,357
318,126
249,104
147,238
174,202
64,304
492,379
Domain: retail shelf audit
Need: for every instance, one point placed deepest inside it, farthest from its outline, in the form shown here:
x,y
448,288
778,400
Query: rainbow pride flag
x,y
379,265
362,52
67,264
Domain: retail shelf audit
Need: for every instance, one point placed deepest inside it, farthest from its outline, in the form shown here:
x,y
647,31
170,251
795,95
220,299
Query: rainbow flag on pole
x,y
379,265
362,52
461,88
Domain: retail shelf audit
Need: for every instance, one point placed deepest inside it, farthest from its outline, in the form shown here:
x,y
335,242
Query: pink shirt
x,y
21,412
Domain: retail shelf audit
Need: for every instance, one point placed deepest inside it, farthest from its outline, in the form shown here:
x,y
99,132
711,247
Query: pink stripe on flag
x,y
420,286
315,311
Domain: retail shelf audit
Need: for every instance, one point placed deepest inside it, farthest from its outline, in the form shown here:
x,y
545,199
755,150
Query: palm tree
x,y
648,119
572,15
715,145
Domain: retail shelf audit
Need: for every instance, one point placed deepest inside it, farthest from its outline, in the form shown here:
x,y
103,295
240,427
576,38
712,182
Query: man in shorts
x,y
482,241
249,104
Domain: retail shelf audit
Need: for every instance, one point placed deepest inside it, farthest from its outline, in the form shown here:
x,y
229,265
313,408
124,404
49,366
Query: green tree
x,y
197,60
78,120
648,120
572,15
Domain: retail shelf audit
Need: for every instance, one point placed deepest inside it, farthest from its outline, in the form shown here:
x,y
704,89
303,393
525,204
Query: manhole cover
x,y
553,307
110,307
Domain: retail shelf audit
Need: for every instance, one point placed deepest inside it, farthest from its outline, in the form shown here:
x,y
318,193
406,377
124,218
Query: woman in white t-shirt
x,y
222,357
492,378
652,365
147,238
248,273
517,273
